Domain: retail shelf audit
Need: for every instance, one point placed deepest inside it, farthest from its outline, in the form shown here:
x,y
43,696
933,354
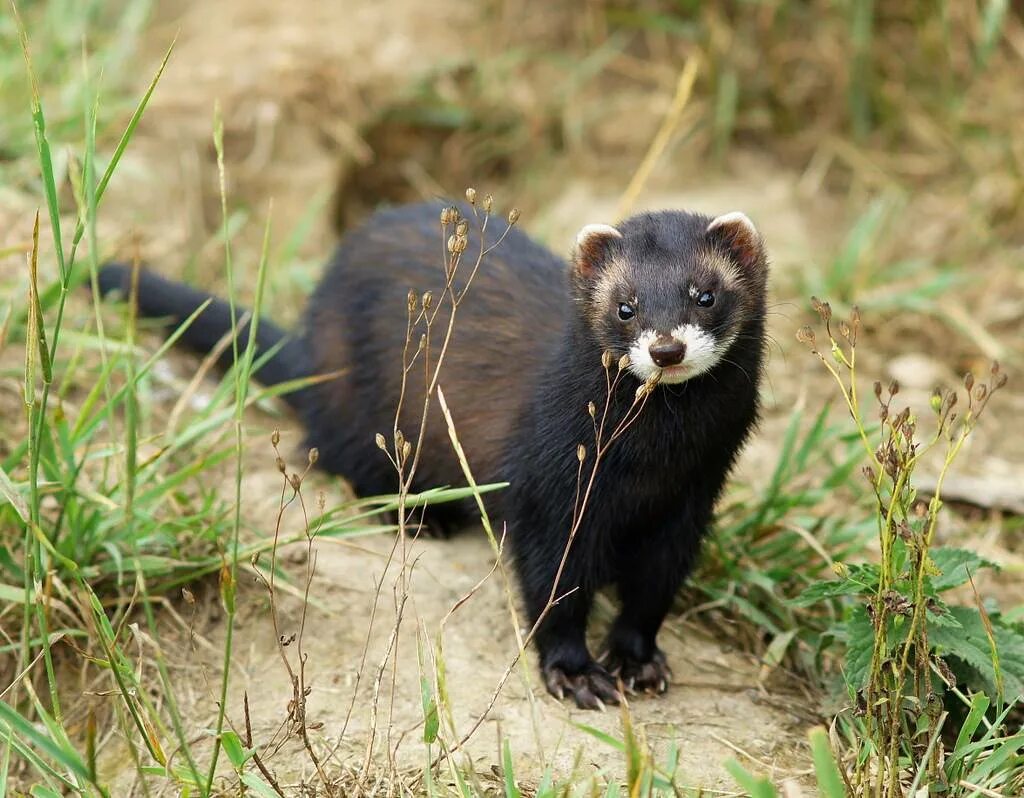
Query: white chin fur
x,y
640,364
703,352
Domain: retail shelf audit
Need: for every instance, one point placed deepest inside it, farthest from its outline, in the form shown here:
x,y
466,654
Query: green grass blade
x,y
42,146
830,782
757,787
511,790
20,728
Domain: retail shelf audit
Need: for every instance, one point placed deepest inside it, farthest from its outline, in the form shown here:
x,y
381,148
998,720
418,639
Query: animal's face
x,y
672,290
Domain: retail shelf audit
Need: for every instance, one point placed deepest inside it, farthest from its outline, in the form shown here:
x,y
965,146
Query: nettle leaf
x,y
956,566
939,615
971,646
858,580
859,633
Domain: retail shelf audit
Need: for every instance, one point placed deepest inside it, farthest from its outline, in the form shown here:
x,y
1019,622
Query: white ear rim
x,y
734,219
595,230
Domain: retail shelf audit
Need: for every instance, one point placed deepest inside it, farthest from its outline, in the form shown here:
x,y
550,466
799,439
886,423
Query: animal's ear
x,y
593,248
738,235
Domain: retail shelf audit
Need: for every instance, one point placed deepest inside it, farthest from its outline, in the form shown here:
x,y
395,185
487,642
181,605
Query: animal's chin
x,y
671,375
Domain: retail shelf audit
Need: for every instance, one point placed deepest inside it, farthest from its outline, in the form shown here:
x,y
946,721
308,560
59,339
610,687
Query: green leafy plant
x,y
907,649
771,544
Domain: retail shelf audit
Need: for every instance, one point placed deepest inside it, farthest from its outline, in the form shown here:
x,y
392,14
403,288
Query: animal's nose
x,y
667,351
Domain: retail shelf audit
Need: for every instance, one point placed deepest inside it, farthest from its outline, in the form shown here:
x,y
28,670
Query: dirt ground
x,y
295,82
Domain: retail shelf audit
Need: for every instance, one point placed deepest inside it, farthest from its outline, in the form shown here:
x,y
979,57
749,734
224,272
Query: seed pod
x,y
606,359
513,216
805,335
275,437
623,362
968,381
471,196
280,464
878,390
411,301
462,228
381,443
406,450
457,244
446,216
428,300
944,670
980,392
314,455
488,203
399,439
844,329
581,452
894,387
592,409
296,481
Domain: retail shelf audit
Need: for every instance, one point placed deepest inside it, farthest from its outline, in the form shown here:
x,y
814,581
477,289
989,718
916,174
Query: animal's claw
x,y
652,676
593,688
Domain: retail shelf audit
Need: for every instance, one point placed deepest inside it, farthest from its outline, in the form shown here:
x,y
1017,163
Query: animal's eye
x,y
626,311
706,299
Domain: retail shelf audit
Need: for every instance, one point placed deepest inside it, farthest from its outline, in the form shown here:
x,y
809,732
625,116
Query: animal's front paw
x,y
645,676
592,687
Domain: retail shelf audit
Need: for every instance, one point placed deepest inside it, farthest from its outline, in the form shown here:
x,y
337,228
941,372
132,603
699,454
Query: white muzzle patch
x,y
703,352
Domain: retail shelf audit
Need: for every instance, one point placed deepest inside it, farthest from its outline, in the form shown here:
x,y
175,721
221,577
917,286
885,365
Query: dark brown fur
x,y
524,361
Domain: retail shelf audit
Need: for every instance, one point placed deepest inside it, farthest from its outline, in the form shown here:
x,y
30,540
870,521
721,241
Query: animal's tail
x,y
161,298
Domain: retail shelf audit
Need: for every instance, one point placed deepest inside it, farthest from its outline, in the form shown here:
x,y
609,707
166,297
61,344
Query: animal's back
x,y
506,326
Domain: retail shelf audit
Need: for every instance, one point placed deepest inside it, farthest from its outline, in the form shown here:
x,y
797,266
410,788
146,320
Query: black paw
x,y
650,676
591,688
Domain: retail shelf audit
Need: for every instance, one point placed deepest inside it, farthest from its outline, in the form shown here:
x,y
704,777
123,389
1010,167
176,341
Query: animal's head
x,y
671,289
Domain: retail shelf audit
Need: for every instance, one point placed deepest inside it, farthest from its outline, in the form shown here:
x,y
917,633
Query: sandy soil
x,y
715,704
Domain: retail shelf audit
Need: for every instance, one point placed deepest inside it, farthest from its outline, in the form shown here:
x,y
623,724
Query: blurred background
x,y
878,145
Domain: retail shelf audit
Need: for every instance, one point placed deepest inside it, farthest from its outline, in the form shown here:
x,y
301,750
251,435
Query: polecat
x,y
683,295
